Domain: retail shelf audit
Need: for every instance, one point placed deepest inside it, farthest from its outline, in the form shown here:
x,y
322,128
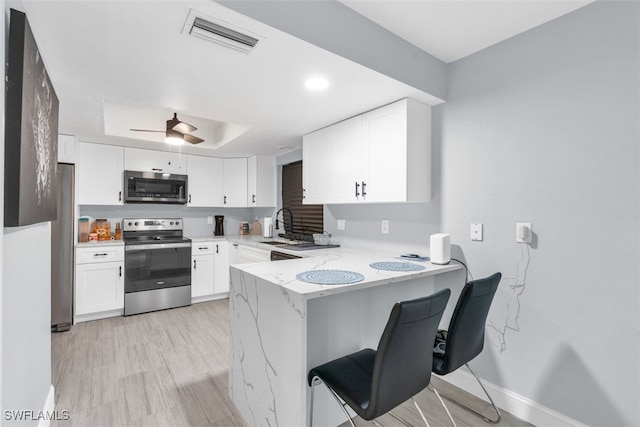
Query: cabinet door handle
x,y
194,264
217,249
225,200
104,254
202,248
156,169
119,196
120,271
304,193
253,198
364,188
189,198
357,188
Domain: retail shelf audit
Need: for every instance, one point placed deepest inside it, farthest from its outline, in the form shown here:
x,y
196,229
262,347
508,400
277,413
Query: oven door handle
x,y
156,246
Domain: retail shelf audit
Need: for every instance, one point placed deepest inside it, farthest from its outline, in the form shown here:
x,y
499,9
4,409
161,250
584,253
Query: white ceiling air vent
x,y
219,32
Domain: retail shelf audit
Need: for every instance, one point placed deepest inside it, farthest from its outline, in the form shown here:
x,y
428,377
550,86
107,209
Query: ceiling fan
x,y
177,132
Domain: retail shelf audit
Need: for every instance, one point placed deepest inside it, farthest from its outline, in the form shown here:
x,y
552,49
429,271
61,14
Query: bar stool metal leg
x,y
420,411
443,405
495,408
317,380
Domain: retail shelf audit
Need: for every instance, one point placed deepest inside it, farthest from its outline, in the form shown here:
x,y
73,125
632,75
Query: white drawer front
x,y
203,248
98,254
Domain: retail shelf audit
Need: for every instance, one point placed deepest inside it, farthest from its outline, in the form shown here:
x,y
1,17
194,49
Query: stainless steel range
x,y
157,264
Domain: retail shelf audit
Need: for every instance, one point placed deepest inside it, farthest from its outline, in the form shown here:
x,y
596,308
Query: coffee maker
x,y
219,229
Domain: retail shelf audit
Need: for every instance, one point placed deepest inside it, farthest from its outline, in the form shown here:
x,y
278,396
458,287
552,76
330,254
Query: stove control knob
x,y
177,222
135,223
171,223
129,224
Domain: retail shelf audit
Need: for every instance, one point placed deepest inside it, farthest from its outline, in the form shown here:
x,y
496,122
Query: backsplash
x,y
195,219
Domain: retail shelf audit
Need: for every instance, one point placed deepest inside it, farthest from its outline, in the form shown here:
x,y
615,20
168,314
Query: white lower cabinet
x,y
202,269
221,268
244,254
99,290
209,270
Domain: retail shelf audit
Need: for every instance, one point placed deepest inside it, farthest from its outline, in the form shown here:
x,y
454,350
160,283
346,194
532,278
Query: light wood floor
x,y
169,368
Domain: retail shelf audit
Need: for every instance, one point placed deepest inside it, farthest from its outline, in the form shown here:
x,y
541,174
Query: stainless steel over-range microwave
x,y
152,187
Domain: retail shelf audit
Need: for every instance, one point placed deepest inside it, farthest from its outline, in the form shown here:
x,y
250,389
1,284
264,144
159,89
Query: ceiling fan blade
x,y
184,127
192,139
180,126
146,130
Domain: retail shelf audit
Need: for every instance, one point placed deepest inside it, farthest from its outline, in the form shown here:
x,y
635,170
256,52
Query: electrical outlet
x,y
476,231
524,232
384,228
342,224
209,220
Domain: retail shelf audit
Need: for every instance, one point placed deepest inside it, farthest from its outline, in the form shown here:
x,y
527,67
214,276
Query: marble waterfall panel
x,y
268,367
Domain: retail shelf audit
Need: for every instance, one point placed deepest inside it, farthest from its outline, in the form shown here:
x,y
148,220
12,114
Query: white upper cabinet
x,y
205,186
331,165
67,149
380,156
100,172
261,181
315,167
345,151
397,153
235,183
136,159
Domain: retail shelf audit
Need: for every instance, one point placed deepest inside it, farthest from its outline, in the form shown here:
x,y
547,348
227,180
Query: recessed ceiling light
x,y
316,83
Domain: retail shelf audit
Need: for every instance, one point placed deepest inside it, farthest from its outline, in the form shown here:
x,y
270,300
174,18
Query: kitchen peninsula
x,y
281,327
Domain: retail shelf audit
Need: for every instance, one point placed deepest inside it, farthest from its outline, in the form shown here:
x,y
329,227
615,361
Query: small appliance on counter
x,y
440,248
219,229
267,227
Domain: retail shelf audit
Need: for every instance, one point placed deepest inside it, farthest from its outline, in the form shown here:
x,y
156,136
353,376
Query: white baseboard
x,y
207,298
49,407
517,405
97,316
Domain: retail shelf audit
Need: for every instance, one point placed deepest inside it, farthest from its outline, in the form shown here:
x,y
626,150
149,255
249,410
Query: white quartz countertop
x,y
283,273
209,238
98,244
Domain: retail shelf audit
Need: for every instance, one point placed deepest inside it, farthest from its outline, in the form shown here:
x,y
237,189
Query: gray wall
x,y
26,308
543,128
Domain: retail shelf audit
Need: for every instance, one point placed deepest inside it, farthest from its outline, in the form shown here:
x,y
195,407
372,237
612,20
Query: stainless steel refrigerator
x,y
62,251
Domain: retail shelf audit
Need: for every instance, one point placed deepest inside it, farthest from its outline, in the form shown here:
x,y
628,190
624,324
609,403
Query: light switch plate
x,y
476,231
384,228
209,220
342,224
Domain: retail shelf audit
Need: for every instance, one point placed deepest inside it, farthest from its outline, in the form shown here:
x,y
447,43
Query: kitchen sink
x,y
306,246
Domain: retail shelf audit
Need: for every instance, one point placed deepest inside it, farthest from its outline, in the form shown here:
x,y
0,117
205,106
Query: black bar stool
x,y
373,382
